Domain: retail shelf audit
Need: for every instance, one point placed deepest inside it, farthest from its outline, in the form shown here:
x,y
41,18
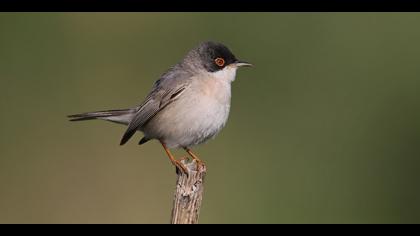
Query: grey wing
x,y
165,91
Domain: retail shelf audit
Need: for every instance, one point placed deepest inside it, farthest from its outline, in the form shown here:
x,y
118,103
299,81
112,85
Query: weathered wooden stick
x,y
188,194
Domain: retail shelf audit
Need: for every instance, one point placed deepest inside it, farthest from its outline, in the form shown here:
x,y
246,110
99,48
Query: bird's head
x,y
216,59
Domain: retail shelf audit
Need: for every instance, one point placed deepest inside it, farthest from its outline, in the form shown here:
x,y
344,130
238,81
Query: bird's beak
x,y
243,63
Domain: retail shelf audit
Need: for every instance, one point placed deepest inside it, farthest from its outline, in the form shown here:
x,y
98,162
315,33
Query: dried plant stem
x,y
188,194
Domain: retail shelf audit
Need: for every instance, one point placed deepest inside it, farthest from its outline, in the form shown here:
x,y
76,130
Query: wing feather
x,y
156,101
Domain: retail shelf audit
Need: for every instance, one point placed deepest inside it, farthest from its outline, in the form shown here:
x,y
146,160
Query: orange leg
x,y
175,162
194,157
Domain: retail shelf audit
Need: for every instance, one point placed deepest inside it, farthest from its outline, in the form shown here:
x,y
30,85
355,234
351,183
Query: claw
x,y
197,160
199,163
180,166
176,163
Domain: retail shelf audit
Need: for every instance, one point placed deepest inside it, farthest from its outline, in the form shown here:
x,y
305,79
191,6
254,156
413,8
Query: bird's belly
x,y
189,122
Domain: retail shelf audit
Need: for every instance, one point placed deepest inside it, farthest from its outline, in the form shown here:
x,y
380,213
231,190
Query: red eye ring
x,y
219,61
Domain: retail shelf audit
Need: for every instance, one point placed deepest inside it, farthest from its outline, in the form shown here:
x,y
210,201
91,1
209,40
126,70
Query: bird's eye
x,y
219,61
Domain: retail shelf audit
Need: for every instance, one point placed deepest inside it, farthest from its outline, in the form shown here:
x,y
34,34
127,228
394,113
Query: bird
x,y
188,105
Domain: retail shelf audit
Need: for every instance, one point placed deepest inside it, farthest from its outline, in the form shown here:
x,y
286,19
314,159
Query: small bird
x,y
188,105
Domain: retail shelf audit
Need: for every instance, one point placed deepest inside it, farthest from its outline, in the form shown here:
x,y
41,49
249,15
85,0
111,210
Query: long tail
x,y
122,116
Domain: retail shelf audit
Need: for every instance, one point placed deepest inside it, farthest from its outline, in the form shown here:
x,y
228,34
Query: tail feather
x,y
103,115
143,140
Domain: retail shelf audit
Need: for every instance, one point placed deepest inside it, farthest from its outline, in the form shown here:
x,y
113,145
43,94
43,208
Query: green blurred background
x,y
324,129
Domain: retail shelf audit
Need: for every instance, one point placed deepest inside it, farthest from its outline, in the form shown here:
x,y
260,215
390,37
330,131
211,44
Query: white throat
x,y
228,74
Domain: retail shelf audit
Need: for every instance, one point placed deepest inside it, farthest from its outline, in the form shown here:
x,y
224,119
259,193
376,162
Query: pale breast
x,y
198,115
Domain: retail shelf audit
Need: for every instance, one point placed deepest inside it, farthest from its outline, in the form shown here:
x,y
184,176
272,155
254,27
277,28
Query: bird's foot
x,y
199,163
180,166
197,160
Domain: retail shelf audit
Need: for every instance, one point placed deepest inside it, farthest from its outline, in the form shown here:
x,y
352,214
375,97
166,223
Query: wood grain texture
x,y
188,194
